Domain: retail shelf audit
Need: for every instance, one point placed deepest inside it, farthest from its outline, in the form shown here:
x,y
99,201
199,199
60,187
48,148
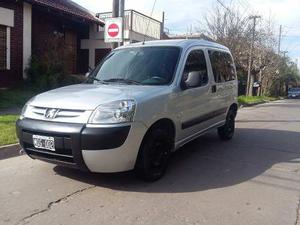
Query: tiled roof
x,y
68,7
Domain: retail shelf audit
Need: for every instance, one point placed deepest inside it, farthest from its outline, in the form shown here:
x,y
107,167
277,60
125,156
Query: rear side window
x,y
222,66
196,63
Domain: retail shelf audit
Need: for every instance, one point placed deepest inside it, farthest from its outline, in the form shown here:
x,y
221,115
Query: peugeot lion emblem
x,y
51,113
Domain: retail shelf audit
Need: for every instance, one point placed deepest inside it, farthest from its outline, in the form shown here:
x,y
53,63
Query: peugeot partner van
x,y
141,103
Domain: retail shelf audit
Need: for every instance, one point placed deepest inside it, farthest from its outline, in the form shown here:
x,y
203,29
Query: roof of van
x,y
184,43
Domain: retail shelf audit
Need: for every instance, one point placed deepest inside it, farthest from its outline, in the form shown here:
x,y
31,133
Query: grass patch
x,y
15,97
8,129
250,100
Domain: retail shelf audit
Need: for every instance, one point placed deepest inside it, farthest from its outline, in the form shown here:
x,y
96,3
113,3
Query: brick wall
x,y
53,30
15,74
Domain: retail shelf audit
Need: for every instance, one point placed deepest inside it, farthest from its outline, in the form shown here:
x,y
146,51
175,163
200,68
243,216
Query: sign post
x,y
113,30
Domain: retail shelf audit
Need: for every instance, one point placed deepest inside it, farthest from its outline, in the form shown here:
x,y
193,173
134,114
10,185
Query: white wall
x,y
92,45
95,41
6,17
27,33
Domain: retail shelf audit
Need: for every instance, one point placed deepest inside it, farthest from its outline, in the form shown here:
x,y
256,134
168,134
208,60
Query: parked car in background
x,y
142,102
294,92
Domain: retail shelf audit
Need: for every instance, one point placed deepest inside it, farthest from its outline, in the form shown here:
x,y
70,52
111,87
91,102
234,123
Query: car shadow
x,y
207,163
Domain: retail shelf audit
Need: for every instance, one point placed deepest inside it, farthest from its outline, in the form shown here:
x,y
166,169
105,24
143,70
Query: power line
x,y
223,5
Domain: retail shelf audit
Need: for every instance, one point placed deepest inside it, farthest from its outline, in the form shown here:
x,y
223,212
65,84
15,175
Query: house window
x,y
3,47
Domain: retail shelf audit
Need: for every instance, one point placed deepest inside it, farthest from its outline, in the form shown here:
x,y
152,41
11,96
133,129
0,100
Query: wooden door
x,y
70,51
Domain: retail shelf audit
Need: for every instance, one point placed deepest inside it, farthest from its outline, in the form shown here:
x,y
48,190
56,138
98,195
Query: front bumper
x,y
95,149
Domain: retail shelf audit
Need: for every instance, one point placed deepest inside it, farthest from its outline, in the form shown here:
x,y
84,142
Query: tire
x,y
153,155
226,132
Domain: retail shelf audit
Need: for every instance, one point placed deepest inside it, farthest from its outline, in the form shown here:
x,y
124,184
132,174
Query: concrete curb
x,y
252,104
257,103
9,151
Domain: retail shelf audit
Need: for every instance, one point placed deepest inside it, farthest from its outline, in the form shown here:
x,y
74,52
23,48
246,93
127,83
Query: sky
x,y
181,14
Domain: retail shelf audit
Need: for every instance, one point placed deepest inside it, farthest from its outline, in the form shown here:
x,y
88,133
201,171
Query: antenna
x,y
149,21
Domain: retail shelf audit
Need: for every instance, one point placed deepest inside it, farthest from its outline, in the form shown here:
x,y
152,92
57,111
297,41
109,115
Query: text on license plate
x,y
43,142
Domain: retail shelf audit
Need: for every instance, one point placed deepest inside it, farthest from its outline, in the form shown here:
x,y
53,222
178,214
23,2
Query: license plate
x,y
43,142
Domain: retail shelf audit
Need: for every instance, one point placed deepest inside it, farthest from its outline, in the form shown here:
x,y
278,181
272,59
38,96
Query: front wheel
x,y
154,155
226,132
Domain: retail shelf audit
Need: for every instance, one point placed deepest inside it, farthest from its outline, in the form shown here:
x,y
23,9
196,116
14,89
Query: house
x,y
33,27
36,27
137,27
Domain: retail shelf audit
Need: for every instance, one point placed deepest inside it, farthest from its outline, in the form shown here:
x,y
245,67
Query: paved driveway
x,y
253,179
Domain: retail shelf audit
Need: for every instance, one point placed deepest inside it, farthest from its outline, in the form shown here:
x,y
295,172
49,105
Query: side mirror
x,y
193,80
87,74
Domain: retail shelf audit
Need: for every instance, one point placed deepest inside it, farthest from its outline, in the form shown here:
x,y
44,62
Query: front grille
x,y
63,148
62,113
49,155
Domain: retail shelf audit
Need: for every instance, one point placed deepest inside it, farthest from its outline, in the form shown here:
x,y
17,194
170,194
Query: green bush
x,y
48,70
43,75
15,97
250,100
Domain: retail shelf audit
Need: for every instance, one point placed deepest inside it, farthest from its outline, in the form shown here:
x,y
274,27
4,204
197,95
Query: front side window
x,y
196,63
222,66
144,66
3,47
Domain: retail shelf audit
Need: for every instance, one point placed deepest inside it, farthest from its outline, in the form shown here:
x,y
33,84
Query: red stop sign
x,y
113,30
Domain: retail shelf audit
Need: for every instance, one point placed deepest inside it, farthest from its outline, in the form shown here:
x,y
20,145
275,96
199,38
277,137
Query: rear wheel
x,y
154,155
226,132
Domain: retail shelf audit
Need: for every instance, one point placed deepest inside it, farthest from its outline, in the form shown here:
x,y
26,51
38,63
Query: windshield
x,y
294,90
138,66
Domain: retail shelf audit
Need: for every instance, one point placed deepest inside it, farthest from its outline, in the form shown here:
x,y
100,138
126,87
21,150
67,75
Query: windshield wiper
x,y
121,80
96,79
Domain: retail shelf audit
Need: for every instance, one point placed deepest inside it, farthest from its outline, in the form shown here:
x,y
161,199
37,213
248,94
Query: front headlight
x,y
23,111
114,112
25,108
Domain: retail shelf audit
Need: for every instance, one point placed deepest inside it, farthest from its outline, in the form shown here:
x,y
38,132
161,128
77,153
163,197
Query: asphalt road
x,y
253,179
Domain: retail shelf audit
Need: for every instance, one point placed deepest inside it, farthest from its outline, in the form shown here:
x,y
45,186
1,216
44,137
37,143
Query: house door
x,y
100,54
70,51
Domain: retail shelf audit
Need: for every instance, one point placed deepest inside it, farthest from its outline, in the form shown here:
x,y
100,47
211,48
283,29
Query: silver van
x,y
141,103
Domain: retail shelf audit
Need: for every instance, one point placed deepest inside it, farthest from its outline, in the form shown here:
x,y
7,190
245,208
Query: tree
x,y
230,27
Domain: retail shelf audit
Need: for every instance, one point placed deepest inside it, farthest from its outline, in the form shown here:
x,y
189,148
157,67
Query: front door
x,y
195,104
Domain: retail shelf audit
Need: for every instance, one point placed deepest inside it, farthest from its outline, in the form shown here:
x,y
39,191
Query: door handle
x,y
214,88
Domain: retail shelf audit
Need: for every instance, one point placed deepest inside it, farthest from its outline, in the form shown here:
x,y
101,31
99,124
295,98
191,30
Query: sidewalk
x,y
9,151
11,111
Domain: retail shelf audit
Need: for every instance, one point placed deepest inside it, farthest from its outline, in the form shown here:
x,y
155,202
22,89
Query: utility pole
x,y
122,14
249,89
260,77
162,28
279,39
284,53
115,13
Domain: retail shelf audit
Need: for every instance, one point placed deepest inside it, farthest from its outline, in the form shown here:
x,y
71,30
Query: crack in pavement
x,y
24,220
298,213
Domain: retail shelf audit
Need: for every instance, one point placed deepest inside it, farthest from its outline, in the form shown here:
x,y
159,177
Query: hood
x,y
90,96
